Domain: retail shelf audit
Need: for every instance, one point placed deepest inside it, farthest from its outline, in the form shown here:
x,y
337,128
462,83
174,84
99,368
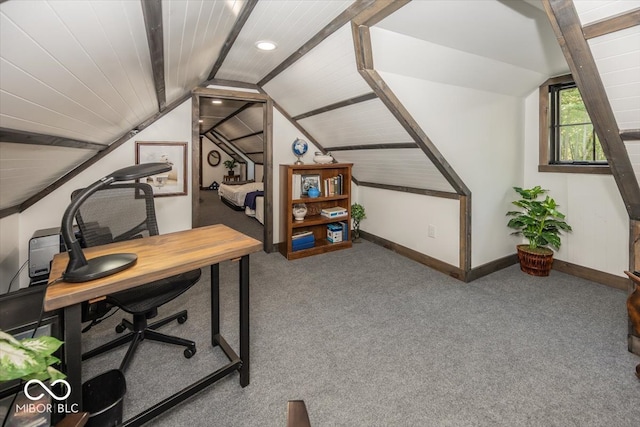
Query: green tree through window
x,y
572,137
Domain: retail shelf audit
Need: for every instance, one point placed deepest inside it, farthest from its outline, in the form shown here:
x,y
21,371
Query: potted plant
x,y
230,164
357,215
29,358
541,223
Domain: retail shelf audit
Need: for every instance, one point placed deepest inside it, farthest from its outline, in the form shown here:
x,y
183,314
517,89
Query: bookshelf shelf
x,y
334,178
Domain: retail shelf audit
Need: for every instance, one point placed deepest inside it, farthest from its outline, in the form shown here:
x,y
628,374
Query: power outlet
x,y
432,231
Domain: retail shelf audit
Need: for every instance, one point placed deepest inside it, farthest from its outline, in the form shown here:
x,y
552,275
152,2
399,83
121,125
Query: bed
x,y
235,195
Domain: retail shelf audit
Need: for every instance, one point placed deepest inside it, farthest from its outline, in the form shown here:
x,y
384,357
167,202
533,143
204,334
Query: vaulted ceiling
x,y
79,78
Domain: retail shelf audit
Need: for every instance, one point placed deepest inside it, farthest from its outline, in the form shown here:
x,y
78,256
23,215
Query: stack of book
x,y
302,240
334,212
333,186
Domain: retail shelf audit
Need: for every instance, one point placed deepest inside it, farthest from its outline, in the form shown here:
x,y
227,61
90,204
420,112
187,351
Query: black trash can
x,y
102,397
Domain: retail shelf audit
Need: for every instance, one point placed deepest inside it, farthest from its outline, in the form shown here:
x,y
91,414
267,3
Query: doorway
x,y
241,100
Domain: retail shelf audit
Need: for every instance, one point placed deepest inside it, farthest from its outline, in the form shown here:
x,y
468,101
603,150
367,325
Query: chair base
x,y
141,331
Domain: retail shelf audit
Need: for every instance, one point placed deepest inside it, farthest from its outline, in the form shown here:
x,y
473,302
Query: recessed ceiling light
x,y
200,121
216,101
266,45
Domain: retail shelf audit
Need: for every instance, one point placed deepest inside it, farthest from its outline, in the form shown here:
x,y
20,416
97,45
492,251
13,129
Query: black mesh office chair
x,y
122,212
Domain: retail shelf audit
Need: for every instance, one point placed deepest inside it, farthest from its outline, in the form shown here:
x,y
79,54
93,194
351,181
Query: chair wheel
x,y
182,319
189,352
120,328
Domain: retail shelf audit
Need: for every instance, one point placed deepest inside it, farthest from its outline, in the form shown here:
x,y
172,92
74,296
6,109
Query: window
x,y
568,142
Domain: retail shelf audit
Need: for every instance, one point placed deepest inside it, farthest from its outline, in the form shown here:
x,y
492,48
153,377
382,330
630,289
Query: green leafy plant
x,y
539,221
29,358
357,215
230,164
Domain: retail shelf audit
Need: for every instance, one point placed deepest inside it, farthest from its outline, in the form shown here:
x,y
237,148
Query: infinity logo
x,y
47,389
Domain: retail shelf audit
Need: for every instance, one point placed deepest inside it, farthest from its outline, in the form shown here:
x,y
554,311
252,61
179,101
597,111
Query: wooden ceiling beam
x,y
612,24
22,137
341,104
630,134
567,27
152,12
85,165
355,9
243,16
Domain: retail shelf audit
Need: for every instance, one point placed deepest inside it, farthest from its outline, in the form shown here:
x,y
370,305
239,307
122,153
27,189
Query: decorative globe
x,y
299,148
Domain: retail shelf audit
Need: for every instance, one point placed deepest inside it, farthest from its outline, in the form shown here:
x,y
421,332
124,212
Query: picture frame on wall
x,y
172,183
309,181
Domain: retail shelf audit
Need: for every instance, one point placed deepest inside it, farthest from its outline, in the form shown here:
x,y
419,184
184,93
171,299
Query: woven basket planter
x,y
536,262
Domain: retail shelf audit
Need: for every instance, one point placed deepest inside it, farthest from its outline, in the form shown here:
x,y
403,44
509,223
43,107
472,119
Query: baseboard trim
x,y
436,264
601,277
492,267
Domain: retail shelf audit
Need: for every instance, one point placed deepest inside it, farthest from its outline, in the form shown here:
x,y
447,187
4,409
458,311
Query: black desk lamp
x,y
79,269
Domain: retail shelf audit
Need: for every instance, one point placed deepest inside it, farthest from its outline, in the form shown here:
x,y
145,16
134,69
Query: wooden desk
x,y
158,257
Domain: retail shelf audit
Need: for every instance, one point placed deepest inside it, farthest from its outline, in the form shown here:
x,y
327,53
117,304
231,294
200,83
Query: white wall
x,y
480,135
10,253
404,218
173,213
284,133
213,173
592,205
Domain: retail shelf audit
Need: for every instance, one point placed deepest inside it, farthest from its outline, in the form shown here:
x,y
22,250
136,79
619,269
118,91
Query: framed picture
x,y
174,182
309,181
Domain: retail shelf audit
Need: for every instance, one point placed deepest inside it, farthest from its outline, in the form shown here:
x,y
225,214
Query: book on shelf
x,y
334,212
296,186
301,234
345,230
302,246
333,185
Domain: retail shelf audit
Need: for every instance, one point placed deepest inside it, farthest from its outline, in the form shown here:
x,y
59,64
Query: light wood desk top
x,y
158,257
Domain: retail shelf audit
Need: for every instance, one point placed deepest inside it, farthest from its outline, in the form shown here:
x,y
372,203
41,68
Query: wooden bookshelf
x,y
313,221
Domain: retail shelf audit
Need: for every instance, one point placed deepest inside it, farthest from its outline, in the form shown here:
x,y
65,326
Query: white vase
x,y
322,158
299,211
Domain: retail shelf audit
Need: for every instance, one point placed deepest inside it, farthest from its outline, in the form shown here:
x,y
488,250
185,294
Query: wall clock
x,y
213,158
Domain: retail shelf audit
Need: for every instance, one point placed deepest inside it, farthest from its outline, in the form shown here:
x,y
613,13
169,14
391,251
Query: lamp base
x,y
100,267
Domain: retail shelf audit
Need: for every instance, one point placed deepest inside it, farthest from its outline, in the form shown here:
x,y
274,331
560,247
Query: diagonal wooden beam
x,y
611,24
566,24
243,16
345,103
152,11
356,8
22,137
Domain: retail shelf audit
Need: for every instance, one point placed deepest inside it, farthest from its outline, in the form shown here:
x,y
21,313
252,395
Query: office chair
x,y
122,212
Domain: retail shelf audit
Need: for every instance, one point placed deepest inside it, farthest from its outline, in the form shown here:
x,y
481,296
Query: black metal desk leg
x,y
215,303
244,320
73,354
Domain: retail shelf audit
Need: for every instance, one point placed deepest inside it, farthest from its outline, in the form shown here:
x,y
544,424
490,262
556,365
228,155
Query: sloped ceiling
x,y
87,75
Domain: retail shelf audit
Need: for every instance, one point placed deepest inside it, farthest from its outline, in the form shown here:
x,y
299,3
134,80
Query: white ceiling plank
x,y
26,169
400,167
595,10
367,122
289,24
324,76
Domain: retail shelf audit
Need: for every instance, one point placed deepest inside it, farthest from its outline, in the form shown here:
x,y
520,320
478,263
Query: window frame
x,y
545,155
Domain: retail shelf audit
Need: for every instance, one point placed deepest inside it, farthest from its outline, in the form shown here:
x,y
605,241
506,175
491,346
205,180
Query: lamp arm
x,y
76,256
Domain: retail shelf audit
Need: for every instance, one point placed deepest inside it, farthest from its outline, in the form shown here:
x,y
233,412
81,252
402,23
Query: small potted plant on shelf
x,y
541,223
230,164
357,215
29,358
